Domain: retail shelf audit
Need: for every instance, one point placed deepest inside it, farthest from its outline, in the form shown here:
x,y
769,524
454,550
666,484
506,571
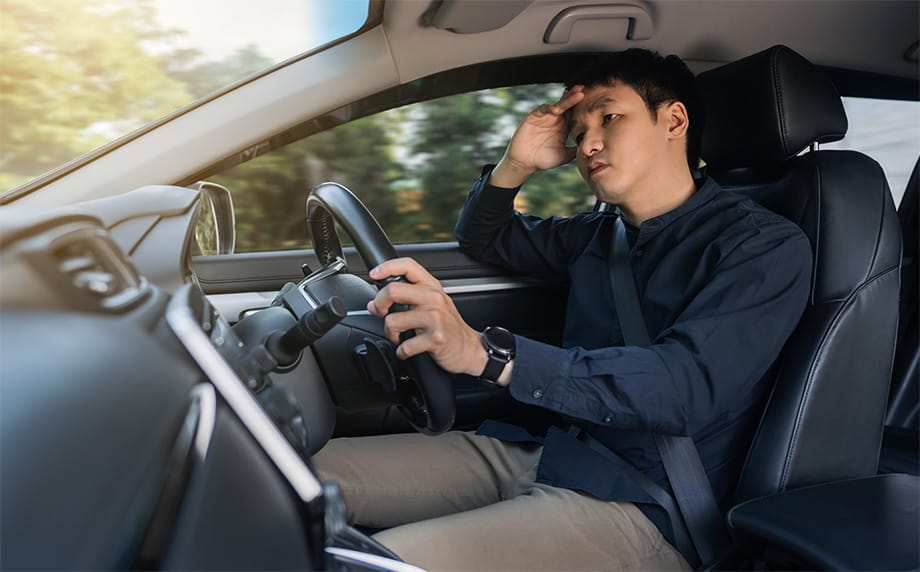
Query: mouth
x,y
596,167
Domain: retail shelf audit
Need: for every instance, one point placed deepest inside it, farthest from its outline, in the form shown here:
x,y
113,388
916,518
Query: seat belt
x,y
679,530
681,460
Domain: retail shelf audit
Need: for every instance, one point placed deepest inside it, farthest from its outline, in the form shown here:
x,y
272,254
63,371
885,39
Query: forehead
x,y
598,96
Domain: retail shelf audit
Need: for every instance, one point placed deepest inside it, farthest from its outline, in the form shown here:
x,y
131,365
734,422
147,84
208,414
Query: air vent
x,y
92,264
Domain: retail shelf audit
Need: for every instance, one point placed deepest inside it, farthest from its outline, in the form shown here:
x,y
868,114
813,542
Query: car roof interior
x,y
874,36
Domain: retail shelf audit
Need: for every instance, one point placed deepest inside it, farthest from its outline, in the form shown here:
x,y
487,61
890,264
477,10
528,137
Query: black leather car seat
x,y
824,419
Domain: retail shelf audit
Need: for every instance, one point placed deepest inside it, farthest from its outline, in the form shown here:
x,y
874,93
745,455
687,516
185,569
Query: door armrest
x,y
870,523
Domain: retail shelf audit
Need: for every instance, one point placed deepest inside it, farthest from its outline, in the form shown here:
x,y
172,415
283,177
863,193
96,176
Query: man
x,y
721,281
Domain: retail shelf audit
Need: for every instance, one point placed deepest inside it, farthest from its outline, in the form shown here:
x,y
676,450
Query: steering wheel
x,y
431,410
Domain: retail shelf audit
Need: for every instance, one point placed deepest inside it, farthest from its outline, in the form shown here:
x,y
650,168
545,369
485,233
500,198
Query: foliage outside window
x,y
76,74
412,166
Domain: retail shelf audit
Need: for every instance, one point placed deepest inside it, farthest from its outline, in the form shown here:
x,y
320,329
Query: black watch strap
x,y
493,370
500,347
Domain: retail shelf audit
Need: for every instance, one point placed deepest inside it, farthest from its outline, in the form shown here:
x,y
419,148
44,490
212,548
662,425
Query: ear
x,y
675,116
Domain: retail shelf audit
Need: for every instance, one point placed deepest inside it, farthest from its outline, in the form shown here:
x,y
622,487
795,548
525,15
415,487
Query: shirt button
x,y
537,393
608,418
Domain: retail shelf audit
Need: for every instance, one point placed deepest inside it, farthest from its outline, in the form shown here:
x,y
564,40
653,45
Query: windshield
x,y
76,74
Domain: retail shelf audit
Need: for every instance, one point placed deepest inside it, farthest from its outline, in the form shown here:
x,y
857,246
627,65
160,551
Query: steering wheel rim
x,y
332,203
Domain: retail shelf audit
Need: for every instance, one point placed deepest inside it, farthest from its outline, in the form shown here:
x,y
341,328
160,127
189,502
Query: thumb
x,y
570,153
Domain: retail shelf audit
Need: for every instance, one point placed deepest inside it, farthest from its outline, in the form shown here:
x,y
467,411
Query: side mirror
x,y
215,227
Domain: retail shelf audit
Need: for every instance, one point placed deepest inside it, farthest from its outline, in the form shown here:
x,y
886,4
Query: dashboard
x,y
138,429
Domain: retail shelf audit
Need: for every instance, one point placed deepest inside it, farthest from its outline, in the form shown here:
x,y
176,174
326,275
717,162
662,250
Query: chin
x,y
605,193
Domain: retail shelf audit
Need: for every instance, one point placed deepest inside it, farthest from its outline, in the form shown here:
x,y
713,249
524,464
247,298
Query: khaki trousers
x,y
461,501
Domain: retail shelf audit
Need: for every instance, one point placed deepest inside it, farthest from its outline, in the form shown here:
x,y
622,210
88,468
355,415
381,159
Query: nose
x,y
591,143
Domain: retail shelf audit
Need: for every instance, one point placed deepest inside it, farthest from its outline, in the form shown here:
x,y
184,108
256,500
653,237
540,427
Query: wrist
x,y
479,358
505,378
509,174
479,365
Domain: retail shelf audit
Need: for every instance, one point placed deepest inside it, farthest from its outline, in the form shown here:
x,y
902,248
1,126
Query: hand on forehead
x,y
570,99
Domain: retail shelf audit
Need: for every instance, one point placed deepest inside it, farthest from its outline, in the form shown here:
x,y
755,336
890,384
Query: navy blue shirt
x,y
722,283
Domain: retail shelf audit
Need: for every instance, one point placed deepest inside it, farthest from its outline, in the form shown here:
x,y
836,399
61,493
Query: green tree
x,y
417,197
73,75
202,78
453,136
457,134
270,192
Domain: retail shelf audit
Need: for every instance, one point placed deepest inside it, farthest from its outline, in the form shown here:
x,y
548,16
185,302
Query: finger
x,y
543,109
569,100
411,320
412,347
381,303
571,90
406,293
408,267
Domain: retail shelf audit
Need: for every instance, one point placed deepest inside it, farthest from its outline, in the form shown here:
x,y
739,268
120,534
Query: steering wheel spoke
x,y
430,406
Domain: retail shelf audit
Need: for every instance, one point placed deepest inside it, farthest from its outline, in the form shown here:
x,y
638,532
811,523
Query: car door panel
x,y
484,295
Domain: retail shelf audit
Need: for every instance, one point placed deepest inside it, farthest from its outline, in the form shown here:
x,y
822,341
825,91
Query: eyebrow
x,y
591,109
600,103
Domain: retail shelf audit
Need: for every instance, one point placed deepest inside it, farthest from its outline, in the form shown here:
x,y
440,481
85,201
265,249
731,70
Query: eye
x,y
578,138
609,117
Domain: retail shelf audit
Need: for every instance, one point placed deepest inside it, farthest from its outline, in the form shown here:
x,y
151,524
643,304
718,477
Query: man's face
x,y
619,146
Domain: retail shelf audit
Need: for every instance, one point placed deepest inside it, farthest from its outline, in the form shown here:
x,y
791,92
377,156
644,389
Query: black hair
x,y
658,80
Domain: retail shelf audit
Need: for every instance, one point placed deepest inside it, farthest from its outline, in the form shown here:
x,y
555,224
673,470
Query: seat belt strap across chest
x,y
679,455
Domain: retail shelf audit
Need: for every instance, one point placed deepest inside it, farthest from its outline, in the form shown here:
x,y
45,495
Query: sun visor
x,y
464,17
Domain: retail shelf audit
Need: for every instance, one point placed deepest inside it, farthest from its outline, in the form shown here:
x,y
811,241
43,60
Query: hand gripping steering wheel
x,y
432,409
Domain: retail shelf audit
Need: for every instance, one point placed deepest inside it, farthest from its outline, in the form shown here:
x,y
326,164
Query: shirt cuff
x,y
488,201
539,374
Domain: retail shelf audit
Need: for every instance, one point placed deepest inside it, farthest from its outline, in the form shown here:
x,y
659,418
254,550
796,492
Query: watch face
x,y
500,339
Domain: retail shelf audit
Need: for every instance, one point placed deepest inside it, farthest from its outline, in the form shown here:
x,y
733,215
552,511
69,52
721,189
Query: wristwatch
x,y
499,344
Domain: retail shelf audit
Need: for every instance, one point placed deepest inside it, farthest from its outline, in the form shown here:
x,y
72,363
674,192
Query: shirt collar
x,y
706,190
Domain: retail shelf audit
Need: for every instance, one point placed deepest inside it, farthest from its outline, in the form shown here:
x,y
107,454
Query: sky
x,y
281,28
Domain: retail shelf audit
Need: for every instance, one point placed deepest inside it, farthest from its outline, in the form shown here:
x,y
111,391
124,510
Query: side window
x,y
886,130
412,166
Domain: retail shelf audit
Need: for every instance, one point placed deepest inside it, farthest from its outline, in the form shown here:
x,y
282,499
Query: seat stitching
x,y
774,68
851,300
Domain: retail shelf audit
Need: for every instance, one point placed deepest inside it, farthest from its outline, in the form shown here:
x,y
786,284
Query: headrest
x,y
765,108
